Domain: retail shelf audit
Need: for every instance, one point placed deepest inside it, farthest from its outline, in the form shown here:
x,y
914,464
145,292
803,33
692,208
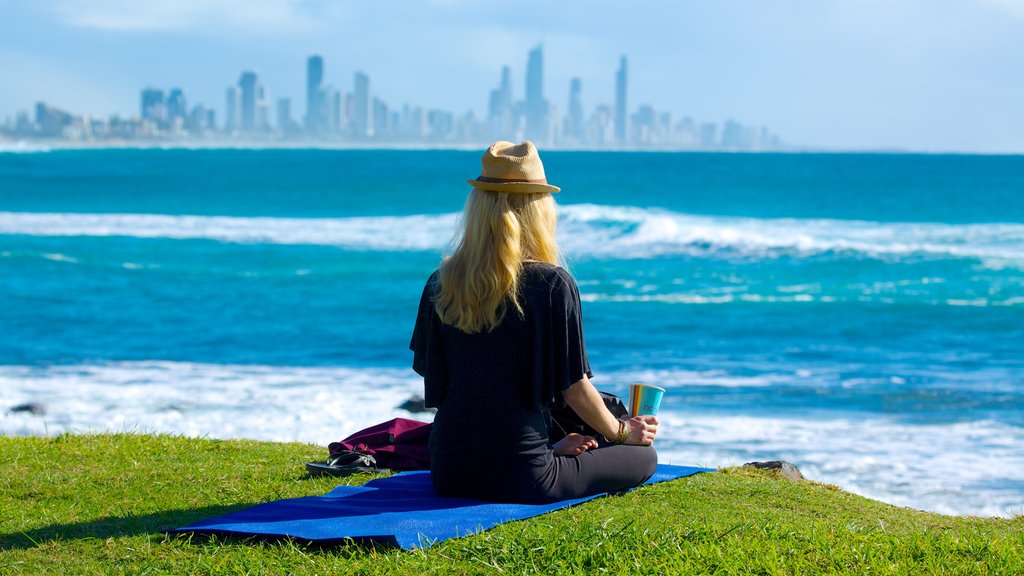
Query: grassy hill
x,y
95,504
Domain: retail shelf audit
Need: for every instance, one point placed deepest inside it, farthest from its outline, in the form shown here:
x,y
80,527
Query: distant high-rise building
x,y
361,100
708,135
262,109
231,117
506,86
176,106
600,127
439,124
152,105
644,126
574,121
22,123
380,118
501,97
51,121
620,103
494,104
737,136
414,123
337,111
195,122
536,106
315,113
686,132
348,110
500,111
284,115
251,94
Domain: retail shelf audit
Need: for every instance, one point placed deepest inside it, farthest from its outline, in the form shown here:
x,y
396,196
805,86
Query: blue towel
x,y
400,510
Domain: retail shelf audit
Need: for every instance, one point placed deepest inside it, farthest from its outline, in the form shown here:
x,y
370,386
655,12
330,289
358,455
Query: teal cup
x,y
644,399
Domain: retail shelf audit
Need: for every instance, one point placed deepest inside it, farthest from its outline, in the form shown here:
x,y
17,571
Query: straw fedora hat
x,y
513,168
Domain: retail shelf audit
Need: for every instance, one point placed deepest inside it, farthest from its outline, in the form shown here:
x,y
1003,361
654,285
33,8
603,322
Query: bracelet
x,y
619,436
622,434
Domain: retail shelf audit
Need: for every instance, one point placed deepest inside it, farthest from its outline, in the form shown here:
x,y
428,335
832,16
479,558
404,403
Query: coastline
x,y
48,144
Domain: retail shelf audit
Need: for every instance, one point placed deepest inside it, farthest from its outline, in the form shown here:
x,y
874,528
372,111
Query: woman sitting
x,y
499,342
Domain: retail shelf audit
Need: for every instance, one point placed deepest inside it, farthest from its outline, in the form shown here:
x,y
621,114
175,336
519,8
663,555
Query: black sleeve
x,y
570,358
426,343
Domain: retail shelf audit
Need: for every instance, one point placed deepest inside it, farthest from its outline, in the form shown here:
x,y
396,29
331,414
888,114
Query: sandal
x,y
343,463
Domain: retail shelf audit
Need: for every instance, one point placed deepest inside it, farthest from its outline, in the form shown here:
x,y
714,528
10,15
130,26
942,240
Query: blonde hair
x,y
499,231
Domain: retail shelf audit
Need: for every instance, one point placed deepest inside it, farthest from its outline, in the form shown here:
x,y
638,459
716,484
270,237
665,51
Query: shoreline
x,y
48,145
321,405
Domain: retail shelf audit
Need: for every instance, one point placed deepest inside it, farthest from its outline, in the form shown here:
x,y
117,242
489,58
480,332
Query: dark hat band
x,y
490,180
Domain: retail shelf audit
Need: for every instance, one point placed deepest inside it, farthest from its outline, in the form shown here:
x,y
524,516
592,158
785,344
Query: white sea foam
x,y
964,468
638,232
695,298
22,147
398,233
972,468
60,258
309,404
585,231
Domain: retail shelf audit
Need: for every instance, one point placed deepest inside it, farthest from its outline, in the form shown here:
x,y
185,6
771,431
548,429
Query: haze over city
x,y
835,75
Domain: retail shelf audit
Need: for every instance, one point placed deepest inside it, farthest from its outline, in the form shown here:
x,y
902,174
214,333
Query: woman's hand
x,y
574,444
642,430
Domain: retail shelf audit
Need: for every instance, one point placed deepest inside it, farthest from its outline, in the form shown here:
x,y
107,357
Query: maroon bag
x,y
399,444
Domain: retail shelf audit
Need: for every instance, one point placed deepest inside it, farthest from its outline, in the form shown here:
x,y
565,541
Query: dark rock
x,y
787,470
35,408
415,404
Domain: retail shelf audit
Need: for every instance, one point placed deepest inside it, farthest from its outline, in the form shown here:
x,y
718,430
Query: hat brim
x,y
513,187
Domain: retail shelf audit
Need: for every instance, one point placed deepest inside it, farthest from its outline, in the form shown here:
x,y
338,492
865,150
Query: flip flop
x,y
343,464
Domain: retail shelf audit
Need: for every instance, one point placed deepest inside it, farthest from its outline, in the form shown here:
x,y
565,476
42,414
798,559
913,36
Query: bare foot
x,y
574,444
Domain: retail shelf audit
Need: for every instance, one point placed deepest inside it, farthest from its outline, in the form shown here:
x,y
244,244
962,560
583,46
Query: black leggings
x,y
595,471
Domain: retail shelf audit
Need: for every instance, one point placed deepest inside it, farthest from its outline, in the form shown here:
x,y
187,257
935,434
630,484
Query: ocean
x,y
859,315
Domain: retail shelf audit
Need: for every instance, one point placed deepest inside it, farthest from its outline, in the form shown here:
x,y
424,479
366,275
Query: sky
x,y
928,75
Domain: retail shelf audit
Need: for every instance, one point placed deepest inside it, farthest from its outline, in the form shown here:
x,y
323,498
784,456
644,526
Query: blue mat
x,y
400,510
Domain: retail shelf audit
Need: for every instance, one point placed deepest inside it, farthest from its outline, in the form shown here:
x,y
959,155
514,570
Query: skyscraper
x,y
250,88
315,117
574,121
336,110
52,121
262,109
284,115
506,87
152,105
620,103
536,106
176,105
500,112
708,134
361,113
231,109
381,119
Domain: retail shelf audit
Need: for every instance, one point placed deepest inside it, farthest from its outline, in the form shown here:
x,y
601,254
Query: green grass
x,y
96,504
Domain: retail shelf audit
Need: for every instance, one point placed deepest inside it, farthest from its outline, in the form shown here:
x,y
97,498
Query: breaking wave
x,y
586,231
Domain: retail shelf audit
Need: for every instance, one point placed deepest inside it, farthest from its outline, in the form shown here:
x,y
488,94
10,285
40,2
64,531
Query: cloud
x,y
263,16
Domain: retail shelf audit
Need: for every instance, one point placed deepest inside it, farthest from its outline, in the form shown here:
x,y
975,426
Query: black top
x,y
492,389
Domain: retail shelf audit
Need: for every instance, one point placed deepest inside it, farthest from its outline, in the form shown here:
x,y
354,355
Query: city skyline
x,y
834,74
335,116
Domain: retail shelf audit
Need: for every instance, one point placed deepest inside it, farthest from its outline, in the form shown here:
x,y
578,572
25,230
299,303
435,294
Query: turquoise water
x,y
860,315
